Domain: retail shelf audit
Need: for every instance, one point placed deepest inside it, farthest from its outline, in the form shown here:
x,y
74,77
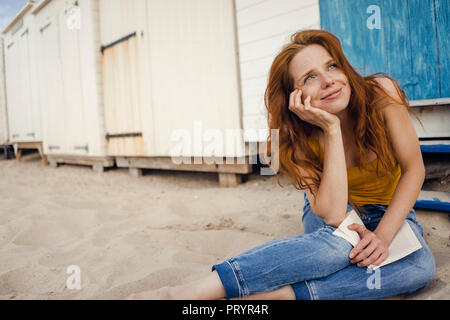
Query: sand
x,y
129,234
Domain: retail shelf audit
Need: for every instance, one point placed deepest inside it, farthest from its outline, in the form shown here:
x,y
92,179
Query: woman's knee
x,y
427,268
423,259
422,270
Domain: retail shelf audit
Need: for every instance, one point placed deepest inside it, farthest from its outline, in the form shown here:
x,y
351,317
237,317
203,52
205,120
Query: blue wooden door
x,y
406,39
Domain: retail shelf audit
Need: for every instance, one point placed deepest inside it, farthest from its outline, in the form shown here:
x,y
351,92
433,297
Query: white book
x,y
404,243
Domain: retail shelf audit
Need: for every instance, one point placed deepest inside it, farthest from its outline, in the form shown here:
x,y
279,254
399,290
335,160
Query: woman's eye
x,y
308,77
334,65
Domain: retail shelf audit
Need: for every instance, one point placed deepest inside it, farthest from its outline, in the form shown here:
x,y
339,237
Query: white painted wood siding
x,y
70,86
3,110
119,18
187,56
264,26
72,69
194,70
91,77
24,119
51,83
435,120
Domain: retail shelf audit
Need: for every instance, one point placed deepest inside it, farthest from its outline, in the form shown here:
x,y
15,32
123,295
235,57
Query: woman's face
x,y
316,73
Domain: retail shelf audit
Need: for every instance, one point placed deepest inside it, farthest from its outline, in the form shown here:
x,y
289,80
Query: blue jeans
x,y
317,265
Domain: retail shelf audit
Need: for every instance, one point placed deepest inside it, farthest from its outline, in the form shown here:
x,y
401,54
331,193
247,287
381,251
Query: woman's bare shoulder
x,y
385,82
390,99
396,116
390,89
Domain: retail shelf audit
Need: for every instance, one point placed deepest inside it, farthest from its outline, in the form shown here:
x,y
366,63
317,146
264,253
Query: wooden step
x,y
434,200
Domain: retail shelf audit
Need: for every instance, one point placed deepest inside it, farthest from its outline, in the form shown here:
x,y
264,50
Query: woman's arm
x,y
405,144
330,202
331,198
406,148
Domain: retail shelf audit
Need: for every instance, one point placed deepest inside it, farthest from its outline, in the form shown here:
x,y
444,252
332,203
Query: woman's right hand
x,y
309,113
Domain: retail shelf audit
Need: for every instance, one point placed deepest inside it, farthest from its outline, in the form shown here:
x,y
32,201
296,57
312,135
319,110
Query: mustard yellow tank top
x,y
364,185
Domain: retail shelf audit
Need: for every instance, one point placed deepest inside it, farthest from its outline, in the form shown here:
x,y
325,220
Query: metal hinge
x,y
124,135
86,148
103,48
45,27
24,33
75,4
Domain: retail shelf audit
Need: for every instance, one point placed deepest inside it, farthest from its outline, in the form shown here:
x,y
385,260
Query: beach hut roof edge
x,y
19,15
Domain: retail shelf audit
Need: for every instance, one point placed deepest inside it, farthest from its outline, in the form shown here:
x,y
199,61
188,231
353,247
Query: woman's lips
x,y
332,96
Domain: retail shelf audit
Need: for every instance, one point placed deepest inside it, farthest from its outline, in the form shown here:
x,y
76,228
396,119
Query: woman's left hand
x,y
370,250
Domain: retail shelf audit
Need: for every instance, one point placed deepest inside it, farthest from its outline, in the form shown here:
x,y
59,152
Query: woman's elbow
x,y
422,172
417,170
332,215
334,221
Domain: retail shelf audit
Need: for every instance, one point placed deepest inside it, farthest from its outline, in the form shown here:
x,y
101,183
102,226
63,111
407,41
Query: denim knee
x,y
424,260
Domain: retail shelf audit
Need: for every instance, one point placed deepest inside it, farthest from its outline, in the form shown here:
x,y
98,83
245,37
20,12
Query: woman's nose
x,y
327,80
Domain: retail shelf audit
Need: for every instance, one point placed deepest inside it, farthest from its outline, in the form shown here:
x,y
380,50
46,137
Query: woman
x,y
348,141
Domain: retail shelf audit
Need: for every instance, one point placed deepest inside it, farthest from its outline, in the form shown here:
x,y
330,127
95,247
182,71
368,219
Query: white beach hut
x,y
198,67
23,110
159,84
145,82
3,116
70,90
4,144
171,67
263,27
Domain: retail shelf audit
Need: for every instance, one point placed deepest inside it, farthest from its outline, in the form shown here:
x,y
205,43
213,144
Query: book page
x,y
404,243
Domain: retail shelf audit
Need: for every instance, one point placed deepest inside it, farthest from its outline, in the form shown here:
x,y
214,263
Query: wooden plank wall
x,y
126,74
91,78
442,12
123,100
12,78
70,84
424,55
3,116
21,80
263,28
18,86
411,43
51,85
194,70
187,62
72,68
